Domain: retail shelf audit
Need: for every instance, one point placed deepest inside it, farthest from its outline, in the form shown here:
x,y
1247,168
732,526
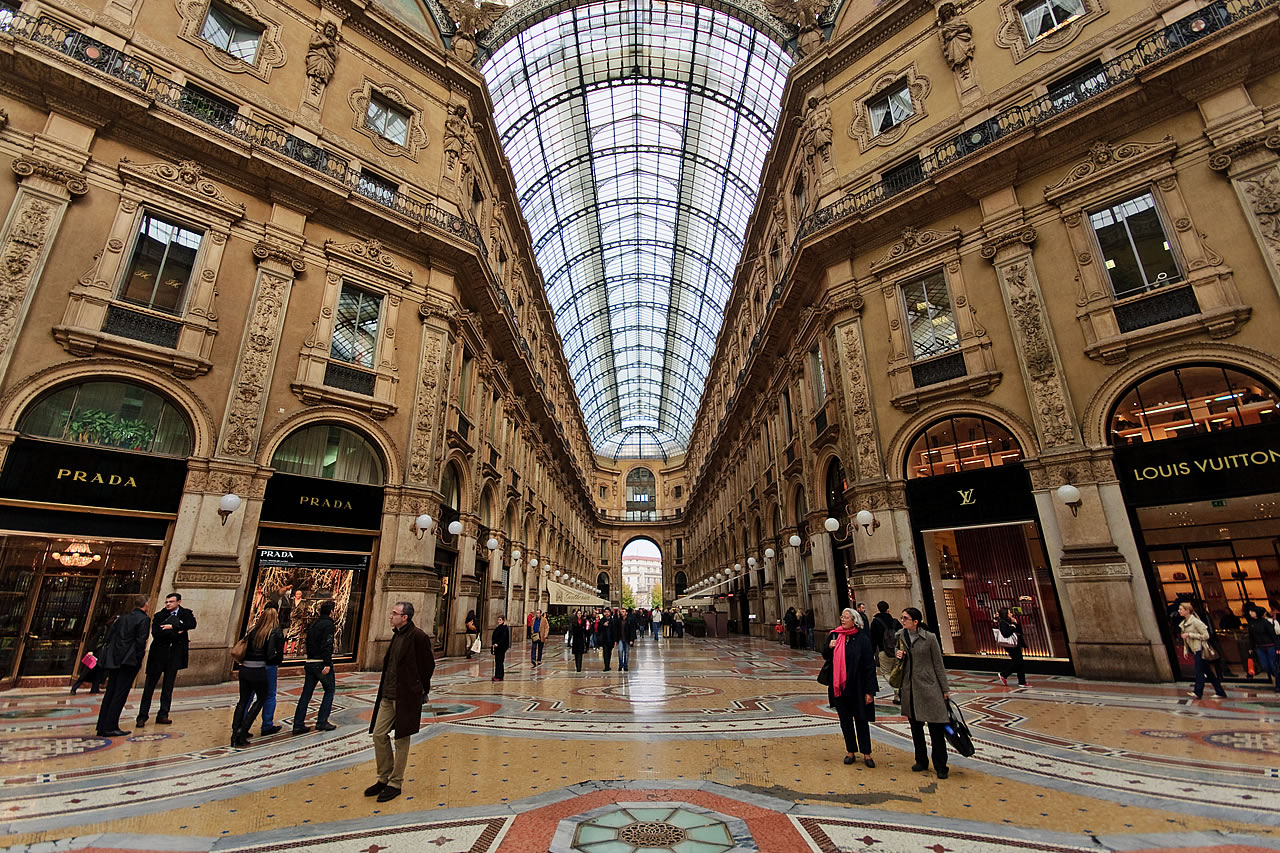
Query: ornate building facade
x,y
271,329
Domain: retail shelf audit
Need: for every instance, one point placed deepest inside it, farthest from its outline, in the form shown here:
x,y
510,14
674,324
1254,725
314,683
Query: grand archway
x,y
642,572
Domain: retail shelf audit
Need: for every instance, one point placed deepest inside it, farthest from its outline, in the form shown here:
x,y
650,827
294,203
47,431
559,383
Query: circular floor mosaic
x,y
21,750
645,692
636,828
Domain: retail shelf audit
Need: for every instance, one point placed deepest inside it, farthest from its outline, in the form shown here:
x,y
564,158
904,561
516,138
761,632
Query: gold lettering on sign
x,y
96,477
1204,466
966,497
325,503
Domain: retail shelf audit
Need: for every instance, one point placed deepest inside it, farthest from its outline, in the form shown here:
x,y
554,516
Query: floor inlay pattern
x,y
705,746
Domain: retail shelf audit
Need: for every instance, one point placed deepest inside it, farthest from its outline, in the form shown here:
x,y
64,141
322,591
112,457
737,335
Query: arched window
x,y
110,414
1191,400
602,585
836,487
449,487
960,443
330,452
641,492
486,509
802,506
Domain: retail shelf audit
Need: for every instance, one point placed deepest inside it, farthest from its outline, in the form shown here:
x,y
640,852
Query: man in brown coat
x,y
406,681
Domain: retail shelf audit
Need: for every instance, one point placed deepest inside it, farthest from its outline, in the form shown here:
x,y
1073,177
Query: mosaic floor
x,y
705,746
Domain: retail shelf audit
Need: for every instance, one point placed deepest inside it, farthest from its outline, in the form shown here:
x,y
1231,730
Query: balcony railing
x,y
1155,47
138,75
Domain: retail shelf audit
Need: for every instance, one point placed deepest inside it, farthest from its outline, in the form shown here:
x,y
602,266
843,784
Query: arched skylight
x,y
637,130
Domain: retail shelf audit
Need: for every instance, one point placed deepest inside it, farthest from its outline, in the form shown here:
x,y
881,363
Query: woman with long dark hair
x,y
265,647
853,687
579,638
1010,627
924,690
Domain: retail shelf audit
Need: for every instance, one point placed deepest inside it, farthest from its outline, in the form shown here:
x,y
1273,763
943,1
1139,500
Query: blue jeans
x,y
312,672
623,649
657,626
269,704
1267,660
1203,671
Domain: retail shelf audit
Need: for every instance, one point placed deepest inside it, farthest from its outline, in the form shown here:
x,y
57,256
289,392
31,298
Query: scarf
x,y
839,676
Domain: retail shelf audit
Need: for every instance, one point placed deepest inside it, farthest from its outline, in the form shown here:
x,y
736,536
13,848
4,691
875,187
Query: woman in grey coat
x,y
924,690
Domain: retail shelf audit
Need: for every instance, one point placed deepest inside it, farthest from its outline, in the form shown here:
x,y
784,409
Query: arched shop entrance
x,y
446,553
318,535
1197,450
841,542
88,494
979,544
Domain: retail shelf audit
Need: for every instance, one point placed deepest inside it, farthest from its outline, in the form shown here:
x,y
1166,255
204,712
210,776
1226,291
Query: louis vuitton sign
x,y
1225,464
73,474
985,496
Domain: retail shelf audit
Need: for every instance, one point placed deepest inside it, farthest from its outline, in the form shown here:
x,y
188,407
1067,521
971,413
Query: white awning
x,y
562,594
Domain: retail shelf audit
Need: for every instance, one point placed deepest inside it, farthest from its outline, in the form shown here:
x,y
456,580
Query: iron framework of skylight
x,y
637,130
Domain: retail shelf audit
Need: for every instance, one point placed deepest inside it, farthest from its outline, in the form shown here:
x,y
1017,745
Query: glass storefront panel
x,y
298,582
1220,555
975,571
60,594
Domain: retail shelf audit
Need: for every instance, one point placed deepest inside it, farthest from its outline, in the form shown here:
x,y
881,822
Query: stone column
x,y
46,188
822,587
466,595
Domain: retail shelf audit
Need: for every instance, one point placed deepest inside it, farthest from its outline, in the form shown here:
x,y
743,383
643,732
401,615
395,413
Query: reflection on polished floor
x,y
705,745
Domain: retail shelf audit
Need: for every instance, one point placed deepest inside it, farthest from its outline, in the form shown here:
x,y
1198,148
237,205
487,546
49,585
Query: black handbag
x,y
825,674
957,731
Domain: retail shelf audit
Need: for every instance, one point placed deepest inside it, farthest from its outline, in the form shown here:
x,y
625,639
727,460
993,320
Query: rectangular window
x,y
679,492
1135,250
890,108
604,550
1083,83
164,255
819,382
930,321
786,414
1041,17
387,121
226,30
355,330
604,491
464,381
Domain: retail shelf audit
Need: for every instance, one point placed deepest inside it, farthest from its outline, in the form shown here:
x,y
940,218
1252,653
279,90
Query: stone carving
x,y
471,20
244,416
187,178
371,253
270,53
1012,33
957,39
912,240
861,422
26,166
459,139
1026,236
1103,156
322,56
1031,333
806,16
1263,193
815,130
19,257
270,252
1222,159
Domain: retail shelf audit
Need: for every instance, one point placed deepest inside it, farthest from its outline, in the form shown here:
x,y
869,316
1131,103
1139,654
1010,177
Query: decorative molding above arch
x,y
28,389
897,447
382,440
1094,420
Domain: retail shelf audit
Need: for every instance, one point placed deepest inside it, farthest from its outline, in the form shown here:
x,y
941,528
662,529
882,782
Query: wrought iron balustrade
x,y
349,378
1159,306
138,326
937,370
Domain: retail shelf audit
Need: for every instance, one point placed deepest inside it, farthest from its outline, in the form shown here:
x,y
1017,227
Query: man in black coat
x,y
319,668
405,684
169,649
122,654
606,637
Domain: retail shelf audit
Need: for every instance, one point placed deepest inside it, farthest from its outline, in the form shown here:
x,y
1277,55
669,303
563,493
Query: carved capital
x,y
1025,236
26,166
271,252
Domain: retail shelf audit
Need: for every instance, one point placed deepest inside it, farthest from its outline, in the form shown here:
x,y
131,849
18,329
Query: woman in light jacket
x,y
1195,634
924,690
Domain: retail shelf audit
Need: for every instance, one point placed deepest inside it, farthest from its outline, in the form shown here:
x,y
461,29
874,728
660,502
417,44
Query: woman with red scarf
x,y
853,685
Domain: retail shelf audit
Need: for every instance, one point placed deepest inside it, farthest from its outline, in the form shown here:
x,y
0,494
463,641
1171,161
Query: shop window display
x,y
1191,400
110,414
962,443
298,582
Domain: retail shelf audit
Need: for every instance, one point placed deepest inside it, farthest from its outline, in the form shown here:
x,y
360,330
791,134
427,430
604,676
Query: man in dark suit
x,y
406,681
122,654
169,648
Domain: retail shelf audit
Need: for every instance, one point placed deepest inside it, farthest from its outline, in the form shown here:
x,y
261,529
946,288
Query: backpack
x,y
888,643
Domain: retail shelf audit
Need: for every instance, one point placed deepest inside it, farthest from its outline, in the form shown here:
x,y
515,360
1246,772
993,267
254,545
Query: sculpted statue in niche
x,y
471,19
815,131
957,38
459,139
322,55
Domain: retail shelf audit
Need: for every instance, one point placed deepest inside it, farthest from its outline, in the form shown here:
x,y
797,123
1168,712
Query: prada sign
x,y
322,503
984,496
1225,464
57,473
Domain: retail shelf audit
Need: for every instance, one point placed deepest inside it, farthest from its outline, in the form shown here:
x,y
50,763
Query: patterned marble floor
x,y
705,746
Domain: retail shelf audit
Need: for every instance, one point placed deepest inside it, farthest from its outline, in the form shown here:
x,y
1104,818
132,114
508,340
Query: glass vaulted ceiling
x,y
637,130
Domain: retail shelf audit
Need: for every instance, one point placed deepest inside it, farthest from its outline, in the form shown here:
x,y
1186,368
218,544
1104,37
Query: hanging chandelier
x,y
78,555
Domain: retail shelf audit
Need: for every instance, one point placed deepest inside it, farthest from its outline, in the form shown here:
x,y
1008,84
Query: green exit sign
x,y
1219,503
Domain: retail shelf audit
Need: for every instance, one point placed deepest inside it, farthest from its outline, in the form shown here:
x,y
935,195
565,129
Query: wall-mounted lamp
x,y
228,504
737,567
515,555
1070,496
794,541
426,524
492,544
768,553
867,521
533,563
751,561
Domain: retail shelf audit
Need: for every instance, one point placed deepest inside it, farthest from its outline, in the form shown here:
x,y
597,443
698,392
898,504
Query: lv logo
x,y
966,497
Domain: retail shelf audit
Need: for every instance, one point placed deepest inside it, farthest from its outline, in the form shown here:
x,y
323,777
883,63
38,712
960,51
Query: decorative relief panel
x,y
270,52
861,412
33,219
